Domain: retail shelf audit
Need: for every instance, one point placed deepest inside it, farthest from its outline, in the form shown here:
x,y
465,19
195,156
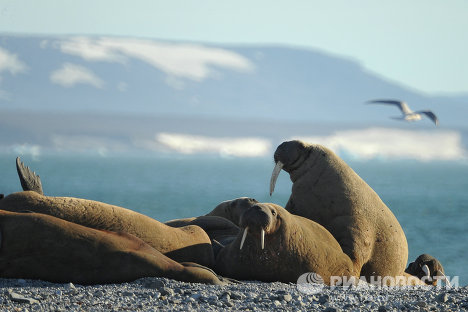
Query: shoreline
x,y
161,293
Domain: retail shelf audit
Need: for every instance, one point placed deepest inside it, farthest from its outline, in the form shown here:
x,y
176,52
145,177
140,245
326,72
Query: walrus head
x,y
233,209
426,268
288,156
260,220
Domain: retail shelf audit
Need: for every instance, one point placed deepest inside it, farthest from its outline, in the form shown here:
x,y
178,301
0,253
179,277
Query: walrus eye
x,y
273,212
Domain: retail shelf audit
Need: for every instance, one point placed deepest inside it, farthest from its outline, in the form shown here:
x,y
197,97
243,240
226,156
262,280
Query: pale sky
x,y
422,44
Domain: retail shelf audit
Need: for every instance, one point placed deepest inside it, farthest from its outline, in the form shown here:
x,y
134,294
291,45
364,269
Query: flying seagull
x,y
408,114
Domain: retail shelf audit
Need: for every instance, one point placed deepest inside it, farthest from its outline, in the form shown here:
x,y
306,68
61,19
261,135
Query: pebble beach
x,y
154,294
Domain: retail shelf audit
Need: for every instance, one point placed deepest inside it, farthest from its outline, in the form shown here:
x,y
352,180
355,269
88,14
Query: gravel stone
x,y
166,291
20,298
147,295
287,297
443,297
323,299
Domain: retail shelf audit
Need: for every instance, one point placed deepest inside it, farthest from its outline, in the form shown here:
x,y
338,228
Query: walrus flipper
x,y
30,181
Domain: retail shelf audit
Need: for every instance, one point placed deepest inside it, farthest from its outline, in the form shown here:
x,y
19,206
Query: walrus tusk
x,y
263,238
243,237
445,279
426,271
274,175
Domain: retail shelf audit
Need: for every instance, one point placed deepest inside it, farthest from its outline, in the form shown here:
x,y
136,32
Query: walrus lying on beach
x,y
279,246
428,269
184,244
326,190
218,229
222,223
233,209
39,246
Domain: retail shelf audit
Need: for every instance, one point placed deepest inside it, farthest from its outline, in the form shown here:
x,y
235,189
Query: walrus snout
x,y
260,219
257,217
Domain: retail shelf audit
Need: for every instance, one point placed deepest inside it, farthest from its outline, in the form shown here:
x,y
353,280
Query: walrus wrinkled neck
x,y
302,165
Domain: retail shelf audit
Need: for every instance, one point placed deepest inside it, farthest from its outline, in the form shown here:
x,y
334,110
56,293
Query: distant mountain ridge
x,y
106,96
142,76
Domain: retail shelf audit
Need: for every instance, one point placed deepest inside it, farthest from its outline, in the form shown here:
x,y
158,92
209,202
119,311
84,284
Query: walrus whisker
x,y
274,175
243,237
263,238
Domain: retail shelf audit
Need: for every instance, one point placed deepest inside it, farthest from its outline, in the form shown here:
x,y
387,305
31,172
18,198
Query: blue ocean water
x,y
429,199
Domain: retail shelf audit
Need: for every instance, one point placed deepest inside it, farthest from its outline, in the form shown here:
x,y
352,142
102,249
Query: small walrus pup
x,y
279,246
184,244
326,190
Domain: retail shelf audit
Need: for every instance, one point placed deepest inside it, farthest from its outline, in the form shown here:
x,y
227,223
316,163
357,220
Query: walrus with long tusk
x,y
39,246
326,190
278,246
184,244
222,223
428,269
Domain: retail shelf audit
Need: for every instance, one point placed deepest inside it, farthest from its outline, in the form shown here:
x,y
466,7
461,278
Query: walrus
x,y
279,246
218,228
428,269
39,246
221,231
222,223
326,190
184,244
233,209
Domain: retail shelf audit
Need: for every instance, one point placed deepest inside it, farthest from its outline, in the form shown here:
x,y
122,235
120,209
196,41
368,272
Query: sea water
x,y
429,199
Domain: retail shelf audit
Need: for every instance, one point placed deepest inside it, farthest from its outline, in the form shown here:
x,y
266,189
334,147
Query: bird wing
x,y
401,105
429,114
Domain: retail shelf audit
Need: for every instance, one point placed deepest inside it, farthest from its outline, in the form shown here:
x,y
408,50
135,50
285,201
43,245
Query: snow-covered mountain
x,y
194,89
